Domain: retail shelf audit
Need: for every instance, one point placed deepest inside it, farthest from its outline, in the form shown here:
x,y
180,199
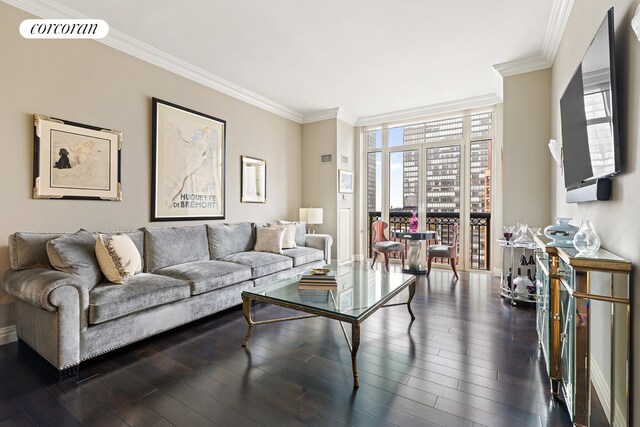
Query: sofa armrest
x,y
322,242
35,286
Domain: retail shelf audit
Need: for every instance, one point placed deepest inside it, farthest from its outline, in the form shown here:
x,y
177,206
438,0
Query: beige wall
x,y
88,82
526,162
320,180
615,220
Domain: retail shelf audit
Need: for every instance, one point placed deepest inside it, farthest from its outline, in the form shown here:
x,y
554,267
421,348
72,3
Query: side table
x,y
413,256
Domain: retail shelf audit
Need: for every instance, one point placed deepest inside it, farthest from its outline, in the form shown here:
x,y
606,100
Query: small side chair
x,y
445,251
384,246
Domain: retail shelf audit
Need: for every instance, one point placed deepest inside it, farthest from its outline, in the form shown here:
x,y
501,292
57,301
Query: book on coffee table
x,y
318,281
318,287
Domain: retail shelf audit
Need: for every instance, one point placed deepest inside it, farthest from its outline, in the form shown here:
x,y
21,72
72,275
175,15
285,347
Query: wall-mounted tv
x,y
589,115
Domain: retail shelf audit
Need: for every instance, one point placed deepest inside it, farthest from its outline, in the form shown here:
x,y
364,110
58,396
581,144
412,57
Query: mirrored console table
x,y
584,323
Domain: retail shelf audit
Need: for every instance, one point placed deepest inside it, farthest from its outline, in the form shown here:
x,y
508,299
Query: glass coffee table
x,y
359,294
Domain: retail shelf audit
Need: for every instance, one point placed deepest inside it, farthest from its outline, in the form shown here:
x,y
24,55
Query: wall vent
x,y
326,158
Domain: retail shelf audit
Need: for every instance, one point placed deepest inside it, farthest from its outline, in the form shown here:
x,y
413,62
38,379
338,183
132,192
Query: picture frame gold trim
x,y
253,180
76,161
188,164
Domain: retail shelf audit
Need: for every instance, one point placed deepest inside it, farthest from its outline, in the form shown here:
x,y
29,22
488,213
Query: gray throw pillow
x,y
29,250
75,254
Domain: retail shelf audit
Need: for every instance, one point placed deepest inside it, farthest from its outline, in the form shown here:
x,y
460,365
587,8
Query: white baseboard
x,y
8,335
358,258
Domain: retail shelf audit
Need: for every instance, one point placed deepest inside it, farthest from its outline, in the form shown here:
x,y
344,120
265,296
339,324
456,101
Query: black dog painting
x,y
64,162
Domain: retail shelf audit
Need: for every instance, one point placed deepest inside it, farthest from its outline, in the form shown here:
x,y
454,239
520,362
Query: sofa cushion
x,y
175,245
303,255
108,301
118,257
75,254
227,239
29,250
261,263
204,276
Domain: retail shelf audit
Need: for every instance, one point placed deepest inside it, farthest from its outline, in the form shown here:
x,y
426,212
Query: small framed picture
x,y
75,161
253,180
188,164
345,180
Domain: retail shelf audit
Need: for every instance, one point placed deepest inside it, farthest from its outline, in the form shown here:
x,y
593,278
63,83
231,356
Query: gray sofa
x,y
188,273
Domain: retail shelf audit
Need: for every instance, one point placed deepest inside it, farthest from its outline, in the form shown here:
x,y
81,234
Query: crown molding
x,y
556,25
430,110
147,53
555,28
522,65
318,116
347,117
332,113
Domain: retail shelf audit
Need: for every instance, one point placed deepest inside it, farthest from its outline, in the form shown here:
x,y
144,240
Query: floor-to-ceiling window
x,y
439,169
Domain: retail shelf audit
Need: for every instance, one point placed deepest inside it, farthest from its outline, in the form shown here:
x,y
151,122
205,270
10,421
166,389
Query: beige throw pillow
x,y
269,239
118,257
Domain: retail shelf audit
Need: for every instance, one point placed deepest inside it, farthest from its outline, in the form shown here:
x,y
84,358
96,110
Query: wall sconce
x,y
312,216
635,23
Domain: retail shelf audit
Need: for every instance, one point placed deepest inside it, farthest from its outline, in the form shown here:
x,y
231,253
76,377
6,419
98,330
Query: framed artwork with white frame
x,y
345,181
253,180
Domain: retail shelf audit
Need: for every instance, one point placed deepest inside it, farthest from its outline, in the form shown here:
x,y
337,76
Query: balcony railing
x,y
442,223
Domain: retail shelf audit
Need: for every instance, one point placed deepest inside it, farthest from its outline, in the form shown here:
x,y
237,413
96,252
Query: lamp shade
x,y
311,215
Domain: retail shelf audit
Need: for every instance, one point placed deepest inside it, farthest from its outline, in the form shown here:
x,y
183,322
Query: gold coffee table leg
x,y
246,310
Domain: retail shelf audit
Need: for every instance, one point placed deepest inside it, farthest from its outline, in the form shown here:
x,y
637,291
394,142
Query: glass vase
x,y
586,240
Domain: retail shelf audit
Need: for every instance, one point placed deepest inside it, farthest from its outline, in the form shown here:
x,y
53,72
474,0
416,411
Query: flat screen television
x,y
589,117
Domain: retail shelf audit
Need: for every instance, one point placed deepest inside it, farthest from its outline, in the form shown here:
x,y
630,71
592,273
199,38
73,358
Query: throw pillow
x,y
289,238
118,257
269,239
300,236
75,254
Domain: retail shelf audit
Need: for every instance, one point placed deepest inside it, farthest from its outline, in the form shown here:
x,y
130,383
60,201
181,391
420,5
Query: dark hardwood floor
x,y
468,359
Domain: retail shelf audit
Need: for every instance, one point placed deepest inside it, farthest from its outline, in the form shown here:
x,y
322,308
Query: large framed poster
x,y
188,164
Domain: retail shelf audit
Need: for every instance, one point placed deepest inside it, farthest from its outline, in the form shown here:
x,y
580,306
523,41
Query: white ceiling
x,y
367,57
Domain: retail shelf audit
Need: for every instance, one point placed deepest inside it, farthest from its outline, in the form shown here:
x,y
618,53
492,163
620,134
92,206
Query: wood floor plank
x,y
175,412
22,420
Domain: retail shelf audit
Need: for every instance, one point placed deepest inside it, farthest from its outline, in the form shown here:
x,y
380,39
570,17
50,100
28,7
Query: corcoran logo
x,y
64,28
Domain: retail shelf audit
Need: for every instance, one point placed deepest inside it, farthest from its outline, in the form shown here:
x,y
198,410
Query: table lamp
x,y
312,216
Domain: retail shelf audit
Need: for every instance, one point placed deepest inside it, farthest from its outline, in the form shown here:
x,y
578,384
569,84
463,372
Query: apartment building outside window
x,y
440,169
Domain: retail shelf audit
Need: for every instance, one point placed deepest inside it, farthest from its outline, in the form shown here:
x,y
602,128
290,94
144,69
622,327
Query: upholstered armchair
x,y
445,251
384,246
